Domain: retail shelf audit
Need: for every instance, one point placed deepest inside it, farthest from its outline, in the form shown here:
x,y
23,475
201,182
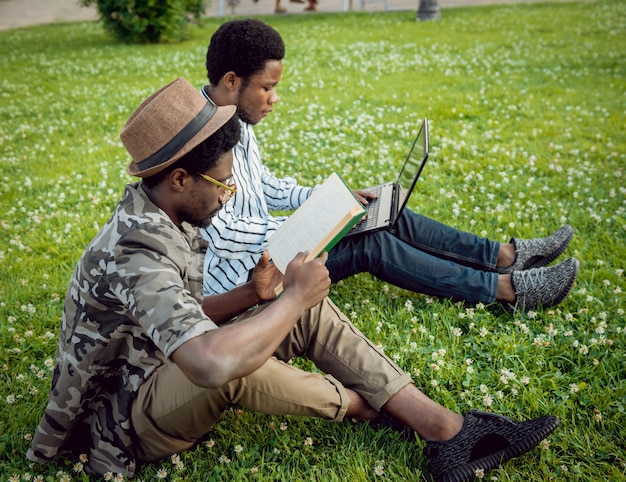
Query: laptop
x,y
383,213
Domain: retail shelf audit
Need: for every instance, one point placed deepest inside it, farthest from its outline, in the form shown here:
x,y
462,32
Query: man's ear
x,y
179,179
231,81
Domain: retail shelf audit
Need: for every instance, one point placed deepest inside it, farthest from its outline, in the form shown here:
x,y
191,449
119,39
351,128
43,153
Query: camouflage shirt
x,y
134,298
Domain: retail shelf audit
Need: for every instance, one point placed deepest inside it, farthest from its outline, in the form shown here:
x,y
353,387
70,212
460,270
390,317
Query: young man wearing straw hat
x,y
244,66
145,366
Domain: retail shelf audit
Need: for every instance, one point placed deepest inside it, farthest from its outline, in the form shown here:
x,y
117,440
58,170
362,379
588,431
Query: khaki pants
x,y
170,413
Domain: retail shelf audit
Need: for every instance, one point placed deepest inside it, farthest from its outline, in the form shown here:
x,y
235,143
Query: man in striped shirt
x,y
244,67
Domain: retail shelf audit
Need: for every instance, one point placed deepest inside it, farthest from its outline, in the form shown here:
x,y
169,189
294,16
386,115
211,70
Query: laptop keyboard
x,y
371,218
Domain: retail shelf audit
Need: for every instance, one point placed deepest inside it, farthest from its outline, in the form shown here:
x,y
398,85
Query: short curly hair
x,y
205,155
244,47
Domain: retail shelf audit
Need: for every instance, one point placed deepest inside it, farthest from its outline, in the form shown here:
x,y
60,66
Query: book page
x,y
316,223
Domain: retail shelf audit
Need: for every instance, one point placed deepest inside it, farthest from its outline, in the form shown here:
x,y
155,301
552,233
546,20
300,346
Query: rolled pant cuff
x,y
379,399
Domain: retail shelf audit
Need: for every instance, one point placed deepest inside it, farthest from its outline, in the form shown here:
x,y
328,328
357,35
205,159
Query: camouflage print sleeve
x,y
152,278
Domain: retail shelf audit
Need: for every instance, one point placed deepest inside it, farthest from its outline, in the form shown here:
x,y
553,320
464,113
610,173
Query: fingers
x,y
301,258
265,257
323,257
365,196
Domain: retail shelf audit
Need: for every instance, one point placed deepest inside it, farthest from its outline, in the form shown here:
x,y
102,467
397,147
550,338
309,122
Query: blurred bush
x,y
148,21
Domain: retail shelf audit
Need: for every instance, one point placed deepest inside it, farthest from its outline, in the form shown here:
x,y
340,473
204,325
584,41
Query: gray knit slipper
x,y
545,287
535,253
485,441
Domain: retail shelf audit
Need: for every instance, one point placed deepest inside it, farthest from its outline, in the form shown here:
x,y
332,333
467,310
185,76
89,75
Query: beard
x,y
199,222
244,117
241,96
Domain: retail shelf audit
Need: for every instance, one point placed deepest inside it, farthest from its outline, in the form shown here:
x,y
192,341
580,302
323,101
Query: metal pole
x,y
428,10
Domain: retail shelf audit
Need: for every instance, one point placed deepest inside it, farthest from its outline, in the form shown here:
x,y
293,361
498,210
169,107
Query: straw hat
x,y
169,124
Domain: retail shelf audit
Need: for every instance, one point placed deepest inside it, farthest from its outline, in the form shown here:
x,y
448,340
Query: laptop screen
x,y
412,167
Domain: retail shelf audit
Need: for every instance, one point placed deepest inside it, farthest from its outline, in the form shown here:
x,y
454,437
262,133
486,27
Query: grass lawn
x,y
527,110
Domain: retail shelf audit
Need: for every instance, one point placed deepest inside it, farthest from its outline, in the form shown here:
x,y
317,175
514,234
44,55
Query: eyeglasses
x,y
230,188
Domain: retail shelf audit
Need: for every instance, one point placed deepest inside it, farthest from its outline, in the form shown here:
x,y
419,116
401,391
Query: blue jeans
x,y
424,256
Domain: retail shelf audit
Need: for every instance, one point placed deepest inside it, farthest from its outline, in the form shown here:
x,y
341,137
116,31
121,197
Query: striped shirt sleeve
x,y
238,234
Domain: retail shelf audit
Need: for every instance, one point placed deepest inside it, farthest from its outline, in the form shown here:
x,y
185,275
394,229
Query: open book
x,y
318,225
